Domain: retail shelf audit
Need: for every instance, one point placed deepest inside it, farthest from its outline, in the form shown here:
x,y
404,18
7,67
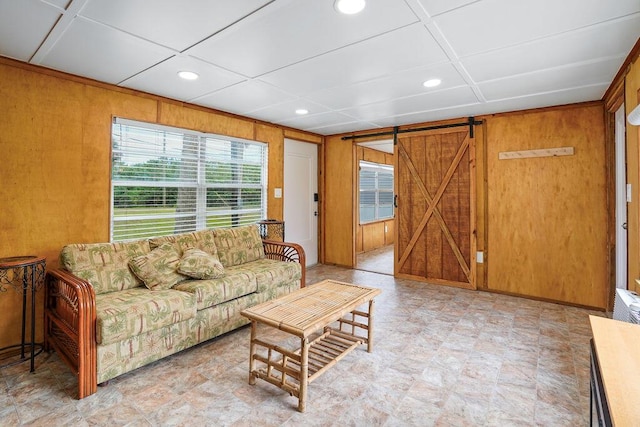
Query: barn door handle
x,y
395,201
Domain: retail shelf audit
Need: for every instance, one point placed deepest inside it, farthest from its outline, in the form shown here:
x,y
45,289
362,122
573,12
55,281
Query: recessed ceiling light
x,y
302,111
188,75
432,83
349,7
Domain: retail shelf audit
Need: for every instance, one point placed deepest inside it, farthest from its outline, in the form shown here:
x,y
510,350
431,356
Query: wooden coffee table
x,y
328,308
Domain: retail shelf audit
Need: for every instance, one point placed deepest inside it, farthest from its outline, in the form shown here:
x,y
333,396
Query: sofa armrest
x,y
284,251
70,319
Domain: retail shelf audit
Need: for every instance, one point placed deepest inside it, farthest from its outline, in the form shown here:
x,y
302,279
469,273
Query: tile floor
x,y
442,356
376,261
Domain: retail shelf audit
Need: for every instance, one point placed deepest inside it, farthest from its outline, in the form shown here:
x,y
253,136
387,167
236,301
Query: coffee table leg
x,y
252,352
370,327
304,374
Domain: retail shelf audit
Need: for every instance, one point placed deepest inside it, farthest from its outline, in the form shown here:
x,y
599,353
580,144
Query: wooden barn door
x,y
435,215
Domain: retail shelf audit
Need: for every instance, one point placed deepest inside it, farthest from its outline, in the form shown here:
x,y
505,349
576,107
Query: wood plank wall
x,y
547,216
338,216
55,140
580,125
631,100
376,234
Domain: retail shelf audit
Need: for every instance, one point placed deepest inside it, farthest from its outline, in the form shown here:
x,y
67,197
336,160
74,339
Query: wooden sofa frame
x,y
70,316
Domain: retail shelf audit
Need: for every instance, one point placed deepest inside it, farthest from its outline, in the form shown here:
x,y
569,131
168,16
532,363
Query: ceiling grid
x,y
265,59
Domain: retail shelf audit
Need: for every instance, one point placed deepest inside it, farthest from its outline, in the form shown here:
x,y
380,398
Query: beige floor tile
x,y
442,356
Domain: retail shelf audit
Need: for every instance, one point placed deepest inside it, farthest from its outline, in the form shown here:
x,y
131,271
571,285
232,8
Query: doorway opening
x,y
621,198
375,222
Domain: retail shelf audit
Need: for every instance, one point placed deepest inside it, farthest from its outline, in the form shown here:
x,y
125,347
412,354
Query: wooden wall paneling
x,y
389,232
179,115
481,204
322,206
465,211
96,130
359,228
373,236
631,100
472,189
610,179
56,152
615,94
55,169
299,135
547,216
275,175
374,156
388,159
339,201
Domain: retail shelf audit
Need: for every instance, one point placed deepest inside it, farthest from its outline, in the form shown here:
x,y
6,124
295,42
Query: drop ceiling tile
x,y
244,97
461,112
403,49
287,32
549,99
492,24
311,121
93,50
287,110
613,38
556,79
425,102
168,22
343,128
437,7
163,79
62,4
23,26
397,85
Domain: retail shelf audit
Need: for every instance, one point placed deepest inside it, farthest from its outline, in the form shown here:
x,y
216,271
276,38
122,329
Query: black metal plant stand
x,y
26,274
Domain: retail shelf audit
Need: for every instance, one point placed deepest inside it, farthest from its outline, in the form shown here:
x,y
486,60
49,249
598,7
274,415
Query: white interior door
x,y
622,195
300,205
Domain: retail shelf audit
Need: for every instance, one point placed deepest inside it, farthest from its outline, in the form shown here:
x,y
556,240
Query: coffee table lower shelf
x,y
323,352
326,320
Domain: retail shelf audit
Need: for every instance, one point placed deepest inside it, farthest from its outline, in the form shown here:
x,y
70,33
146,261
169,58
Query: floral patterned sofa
x,y
114,307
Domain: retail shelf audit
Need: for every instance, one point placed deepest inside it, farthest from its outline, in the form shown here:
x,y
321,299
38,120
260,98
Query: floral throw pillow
x,y
157,269
200,265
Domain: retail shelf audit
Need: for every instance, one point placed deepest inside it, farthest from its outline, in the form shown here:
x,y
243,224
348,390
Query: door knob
x,y
624,225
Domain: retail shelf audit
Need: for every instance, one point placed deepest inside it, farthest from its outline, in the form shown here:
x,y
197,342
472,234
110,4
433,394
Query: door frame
x,y
621,200
316,208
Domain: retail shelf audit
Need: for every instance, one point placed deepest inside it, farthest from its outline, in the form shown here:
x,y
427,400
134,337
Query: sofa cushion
x,y
235,283
120,315
157,269
200,265
272,273
104,265
238,245
202,240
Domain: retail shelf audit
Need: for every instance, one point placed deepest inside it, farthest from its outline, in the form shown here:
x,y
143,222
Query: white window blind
x,y
168,180
375,191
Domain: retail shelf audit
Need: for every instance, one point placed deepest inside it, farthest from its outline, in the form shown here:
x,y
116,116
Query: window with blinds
x,y
375,191
168,180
